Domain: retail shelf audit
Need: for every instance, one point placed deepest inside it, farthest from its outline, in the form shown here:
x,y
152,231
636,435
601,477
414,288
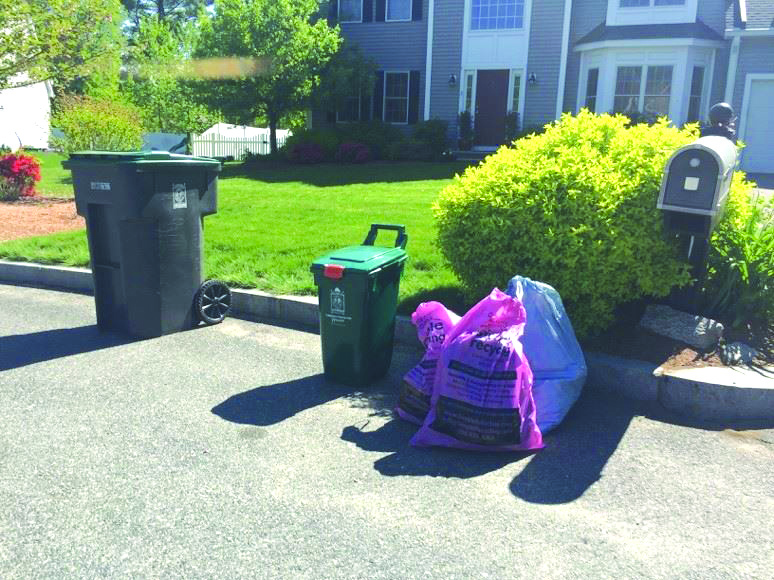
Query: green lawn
x,y
272,221
54,180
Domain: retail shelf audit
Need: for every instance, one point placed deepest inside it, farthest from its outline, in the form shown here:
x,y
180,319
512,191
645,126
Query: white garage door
x,y
758,134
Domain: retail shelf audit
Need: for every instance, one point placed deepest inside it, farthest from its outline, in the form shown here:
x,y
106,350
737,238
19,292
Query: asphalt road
x,y
222,453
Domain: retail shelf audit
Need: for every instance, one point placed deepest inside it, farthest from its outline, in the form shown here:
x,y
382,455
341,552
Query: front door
x,y
491,106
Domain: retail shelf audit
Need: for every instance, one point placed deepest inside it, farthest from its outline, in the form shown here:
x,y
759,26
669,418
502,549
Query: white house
x,y
24,116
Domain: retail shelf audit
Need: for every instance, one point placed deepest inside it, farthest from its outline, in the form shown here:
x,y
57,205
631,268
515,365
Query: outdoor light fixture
x,y
532,78
452,80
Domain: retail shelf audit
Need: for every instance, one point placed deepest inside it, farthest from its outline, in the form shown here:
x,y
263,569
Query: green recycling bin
x,y
358,297
143,215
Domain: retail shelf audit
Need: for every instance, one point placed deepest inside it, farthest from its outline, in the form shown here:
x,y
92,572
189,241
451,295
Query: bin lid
x,y
358,259
143,158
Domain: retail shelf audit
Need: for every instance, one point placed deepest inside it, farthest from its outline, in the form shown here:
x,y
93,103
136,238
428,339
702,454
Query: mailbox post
x,y
695,185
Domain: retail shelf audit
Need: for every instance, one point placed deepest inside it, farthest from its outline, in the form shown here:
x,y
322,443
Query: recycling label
x,y
179,196
338,304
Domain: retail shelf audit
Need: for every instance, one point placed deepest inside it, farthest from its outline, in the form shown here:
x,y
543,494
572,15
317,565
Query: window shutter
x,y
413,104
365,108
381,10
368,10
379,96
416,10
333,12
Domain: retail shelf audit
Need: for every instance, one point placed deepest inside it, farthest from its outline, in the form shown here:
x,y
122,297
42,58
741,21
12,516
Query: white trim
x,y
387,11
429,57
513,73
408,96
650,42
733,62
708,97
618,15
736,33
563,57
461,106
749,78
743,10
338,14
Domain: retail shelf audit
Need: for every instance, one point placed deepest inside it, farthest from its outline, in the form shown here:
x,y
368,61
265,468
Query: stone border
x,y
718,394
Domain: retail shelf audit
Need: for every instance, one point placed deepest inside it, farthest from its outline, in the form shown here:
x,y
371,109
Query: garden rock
x,y
697,331
737,353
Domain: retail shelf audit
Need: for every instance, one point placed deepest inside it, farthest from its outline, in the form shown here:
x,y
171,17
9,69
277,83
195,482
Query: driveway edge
x,y
725,394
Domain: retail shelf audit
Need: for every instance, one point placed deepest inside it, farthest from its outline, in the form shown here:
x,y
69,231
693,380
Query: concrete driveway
x,y
222,453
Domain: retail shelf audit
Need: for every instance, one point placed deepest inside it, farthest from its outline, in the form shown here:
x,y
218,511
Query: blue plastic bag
x,y
554,355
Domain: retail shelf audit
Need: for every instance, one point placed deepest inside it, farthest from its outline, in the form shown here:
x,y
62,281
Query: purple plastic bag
x,y
482,398
434,322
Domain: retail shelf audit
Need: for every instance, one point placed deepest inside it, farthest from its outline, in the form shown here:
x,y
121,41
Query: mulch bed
x,y
37,216
628,340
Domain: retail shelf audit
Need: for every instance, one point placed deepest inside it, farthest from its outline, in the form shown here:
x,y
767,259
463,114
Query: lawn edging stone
x,y
724,394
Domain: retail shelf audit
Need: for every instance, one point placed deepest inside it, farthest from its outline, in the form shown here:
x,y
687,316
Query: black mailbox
x,y
695,185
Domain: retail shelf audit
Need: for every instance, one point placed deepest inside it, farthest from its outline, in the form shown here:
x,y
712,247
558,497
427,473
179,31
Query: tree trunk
x,y
273,132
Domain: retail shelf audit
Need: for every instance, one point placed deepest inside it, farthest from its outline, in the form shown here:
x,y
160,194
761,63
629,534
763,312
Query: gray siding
x,y
544,57
394,45
586,15
447,60
756,55
713,14
718,88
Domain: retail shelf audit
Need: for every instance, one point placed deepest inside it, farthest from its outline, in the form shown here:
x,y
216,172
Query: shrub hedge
x,y
574,207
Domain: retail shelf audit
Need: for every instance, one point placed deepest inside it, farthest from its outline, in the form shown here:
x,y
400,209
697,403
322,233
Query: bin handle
x,y
400,241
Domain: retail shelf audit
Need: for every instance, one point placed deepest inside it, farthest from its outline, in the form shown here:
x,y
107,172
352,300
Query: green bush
x,y
410,150
376,134
465,122
511,126
326,139
740,275
434,134
97,124
574,207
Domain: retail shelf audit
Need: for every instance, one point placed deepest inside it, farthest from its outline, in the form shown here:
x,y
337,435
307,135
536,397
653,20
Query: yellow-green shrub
x,y
574,207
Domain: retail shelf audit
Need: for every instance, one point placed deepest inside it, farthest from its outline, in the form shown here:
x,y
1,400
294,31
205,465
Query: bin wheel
x,y
213,302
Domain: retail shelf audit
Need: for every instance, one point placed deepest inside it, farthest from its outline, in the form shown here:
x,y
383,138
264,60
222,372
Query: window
x,y
631,96
627,89
349,111
469,92
497,14
591,90
694,101
516,92
398,10
350,10
646,3
396,97
657,90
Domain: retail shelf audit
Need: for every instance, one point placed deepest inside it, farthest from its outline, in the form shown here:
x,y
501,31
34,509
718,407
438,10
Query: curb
x,y
717,394
247,304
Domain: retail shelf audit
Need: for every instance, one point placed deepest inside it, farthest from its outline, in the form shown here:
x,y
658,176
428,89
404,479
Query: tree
x,y
154,84
53,39
279,33
348,74
174,12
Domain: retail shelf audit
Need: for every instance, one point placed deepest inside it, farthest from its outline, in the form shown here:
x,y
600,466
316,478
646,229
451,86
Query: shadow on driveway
x,y
273,404
19,350
572,461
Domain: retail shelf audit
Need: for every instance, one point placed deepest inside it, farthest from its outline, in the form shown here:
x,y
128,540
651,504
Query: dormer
x,y
630,12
